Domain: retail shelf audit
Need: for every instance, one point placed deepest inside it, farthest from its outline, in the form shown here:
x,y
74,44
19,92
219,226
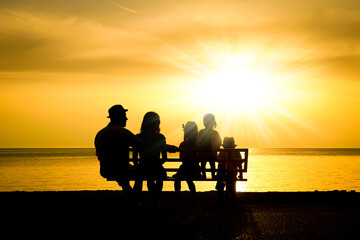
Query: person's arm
x,y
164,151
135,140
135,143
171,148
216,141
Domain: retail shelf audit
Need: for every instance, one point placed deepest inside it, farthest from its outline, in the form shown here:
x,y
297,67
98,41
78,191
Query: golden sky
x,y
274,73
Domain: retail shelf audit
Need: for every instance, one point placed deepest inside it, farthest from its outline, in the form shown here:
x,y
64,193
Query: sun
x,y
259,94
237,87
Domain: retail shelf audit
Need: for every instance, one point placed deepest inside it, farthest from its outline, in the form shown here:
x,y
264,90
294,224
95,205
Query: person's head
x,y
117,114
190,131
229,142
209,121
150,123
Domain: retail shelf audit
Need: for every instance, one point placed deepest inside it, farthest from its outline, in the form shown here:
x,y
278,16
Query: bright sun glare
x,y
237,86
250,90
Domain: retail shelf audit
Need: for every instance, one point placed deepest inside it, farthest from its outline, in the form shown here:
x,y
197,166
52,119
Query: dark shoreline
x,y
256,215
316,197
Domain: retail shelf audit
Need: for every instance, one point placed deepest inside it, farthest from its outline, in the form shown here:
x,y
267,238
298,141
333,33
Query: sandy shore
x,y
301,215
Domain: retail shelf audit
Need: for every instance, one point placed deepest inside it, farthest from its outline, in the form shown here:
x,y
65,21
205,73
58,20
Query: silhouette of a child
x,y
229,173
190,169
208,142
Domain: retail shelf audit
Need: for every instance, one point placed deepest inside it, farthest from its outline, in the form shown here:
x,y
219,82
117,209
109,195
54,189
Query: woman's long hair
x,y
150,123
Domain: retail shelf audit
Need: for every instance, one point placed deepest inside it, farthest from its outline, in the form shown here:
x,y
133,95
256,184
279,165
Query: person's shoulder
x,y
126,132
121,130
160,138
139,136
101,131
202,130
187,144
159,135
129,132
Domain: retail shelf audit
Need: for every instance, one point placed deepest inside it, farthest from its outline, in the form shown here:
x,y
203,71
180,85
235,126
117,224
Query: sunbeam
x,y
256,95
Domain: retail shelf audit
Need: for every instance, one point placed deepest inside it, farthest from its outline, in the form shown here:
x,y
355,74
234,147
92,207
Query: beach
x,y
255,215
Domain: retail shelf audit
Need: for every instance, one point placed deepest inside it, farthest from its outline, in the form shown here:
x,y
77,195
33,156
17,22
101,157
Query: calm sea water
x,y
268,170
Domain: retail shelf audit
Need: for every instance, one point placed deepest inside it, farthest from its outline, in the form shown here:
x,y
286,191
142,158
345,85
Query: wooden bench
x,y
227,160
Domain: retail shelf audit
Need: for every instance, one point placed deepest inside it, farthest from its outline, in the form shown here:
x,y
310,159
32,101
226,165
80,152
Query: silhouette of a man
x,y
112,148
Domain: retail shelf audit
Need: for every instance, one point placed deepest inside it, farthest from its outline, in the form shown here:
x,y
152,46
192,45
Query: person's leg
x,y
212,167
192,189
231,187
151,185
191,185
138,185
203,166
160,184
220,191
125,186
159,187
128,191
232,190
177,186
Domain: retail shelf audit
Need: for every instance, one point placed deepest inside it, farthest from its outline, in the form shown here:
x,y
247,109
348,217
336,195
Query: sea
x,y
269,170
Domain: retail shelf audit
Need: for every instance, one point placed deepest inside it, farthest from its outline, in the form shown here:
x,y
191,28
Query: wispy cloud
x,y
125,8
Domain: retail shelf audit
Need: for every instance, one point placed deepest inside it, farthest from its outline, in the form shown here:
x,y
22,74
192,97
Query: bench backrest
x,y
228,157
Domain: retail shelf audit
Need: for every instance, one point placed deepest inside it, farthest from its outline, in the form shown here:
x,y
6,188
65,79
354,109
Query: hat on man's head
x,y
116,110
229,142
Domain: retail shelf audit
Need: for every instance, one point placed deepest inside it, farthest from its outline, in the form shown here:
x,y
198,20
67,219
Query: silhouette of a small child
x,y
189,169
229,174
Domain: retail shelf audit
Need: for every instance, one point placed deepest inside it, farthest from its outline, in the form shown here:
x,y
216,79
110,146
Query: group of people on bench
x,y
150,153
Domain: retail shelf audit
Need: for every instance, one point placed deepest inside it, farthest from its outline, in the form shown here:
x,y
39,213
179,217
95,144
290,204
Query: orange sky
x,y
275,73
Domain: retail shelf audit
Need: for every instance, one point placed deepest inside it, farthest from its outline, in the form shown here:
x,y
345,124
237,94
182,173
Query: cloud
x,y
342,67
125,8
32,41
92,36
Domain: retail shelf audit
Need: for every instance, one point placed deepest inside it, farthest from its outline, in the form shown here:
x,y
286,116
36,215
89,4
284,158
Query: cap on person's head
x,y
116,110
229,142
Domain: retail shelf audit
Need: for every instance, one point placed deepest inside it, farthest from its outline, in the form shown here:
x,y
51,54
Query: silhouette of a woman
x,y
153,145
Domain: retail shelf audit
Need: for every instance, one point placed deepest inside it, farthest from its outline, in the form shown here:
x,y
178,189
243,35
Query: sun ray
x,y
257,94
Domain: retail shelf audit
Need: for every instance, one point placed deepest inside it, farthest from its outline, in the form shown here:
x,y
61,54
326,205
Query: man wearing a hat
x,y
112,148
